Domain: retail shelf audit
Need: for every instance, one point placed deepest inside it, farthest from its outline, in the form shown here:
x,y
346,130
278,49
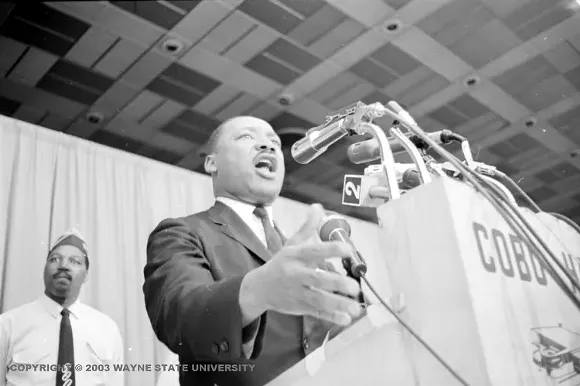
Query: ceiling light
x,y
286,99
471,80
172,46
530,122
94,118
392,27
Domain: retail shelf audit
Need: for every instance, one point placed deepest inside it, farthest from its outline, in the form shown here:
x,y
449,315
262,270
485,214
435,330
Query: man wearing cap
x,y
45,342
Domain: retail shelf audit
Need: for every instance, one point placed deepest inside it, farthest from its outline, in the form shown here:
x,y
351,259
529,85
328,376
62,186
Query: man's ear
x,y
210,166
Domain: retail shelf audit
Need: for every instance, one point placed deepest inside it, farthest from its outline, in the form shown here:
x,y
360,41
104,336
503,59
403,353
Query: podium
x,y
357,356
473,290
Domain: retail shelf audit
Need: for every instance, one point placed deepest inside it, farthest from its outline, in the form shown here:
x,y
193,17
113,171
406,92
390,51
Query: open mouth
x,y
62,276
266,164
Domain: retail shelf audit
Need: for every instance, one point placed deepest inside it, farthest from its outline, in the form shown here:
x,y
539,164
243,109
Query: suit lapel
x,y
234,227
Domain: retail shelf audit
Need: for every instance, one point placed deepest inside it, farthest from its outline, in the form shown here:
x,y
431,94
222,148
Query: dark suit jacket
x,y
195,266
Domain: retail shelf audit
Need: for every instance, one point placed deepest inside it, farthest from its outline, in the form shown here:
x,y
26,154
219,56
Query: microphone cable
x,y
358,273
544,263
524,226
506,180
513,217
413,333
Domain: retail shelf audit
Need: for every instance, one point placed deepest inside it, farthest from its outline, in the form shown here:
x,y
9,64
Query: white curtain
x,y
50,182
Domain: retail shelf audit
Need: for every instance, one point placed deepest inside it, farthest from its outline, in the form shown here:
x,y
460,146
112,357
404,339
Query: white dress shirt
x,y
29,335
246,212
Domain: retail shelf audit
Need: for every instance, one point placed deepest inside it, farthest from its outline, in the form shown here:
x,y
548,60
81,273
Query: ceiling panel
x,y
318,24
449,22
538,16
153,11
161,114
515,145
118,58
273,69
564,56
336,86
272,15
469,106
371,71
250,44
520,79
573,76
291,54
32,65
547,93
417,85
228,32
541,194
485,44
337,38
91,47
43,27
60,61
116,141
568,123
8,106
73,82
10,53
395,59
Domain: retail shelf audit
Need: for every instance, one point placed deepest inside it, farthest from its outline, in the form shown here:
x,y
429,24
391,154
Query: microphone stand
x,y
387,159
347,264
413,152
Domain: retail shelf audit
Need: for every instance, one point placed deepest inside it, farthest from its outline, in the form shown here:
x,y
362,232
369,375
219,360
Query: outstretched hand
x,y
290,283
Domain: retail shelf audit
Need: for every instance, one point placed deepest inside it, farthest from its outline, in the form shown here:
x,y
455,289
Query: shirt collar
x,y
243,209
55,309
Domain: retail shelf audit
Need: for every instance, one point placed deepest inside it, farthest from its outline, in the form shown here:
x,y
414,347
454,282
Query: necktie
x,y
273,238
65,374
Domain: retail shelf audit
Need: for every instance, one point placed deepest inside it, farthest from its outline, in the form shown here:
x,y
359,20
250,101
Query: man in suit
x,y
224,286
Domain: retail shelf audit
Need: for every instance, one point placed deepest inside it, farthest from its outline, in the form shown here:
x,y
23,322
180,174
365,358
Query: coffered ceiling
x,y
156,77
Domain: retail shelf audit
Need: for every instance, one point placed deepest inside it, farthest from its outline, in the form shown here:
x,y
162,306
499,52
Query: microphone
x,y
336,228
369,150
370,190
318,139
410,179
338,125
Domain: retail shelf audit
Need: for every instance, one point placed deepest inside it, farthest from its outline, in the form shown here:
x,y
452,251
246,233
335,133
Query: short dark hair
x,y
214,139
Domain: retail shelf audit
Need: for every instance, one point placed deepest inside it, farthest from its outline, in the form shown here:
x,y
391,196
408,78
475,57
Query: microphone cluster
x,y
387,180
336,126
383,182
369,150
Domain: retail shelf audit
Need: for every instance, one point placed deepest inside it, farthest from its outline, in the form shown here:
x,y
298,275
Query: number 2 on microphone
x,y
352,189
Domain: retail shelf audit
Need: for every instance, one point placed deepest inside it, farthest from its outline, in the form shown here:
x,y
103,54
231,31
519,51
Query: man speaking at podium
x,y
224,286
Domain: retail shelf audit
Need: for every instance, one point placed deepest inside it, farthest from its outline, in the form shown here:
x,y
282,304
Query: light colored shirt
x,y
29,336
246,213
